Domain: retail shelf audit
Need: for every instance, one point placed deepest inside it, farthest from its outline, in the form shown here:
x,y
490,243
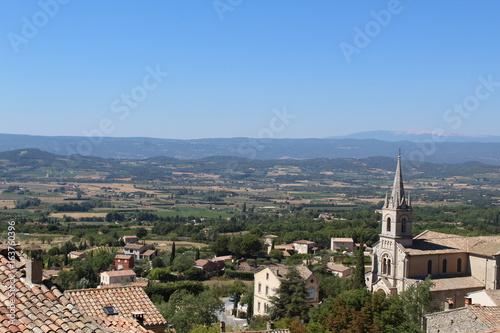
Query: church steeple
x,y
398,199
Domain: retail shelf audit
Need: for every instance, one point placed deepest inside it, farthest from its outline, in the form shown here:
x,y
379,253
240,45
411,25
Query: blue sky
x,y
235,67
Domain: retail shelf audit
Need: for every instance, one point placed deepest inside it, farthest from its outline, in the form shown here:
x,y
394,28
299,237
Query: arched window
x,y
429,267
388,266
403,224
459,264
384,266
388,224
445,266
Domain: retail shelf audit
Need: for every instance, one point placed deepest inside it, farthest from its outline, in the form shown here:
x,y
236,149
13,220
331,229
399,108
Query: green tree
x,y
141,232
172,254
417,301
359,272
290,298
185,310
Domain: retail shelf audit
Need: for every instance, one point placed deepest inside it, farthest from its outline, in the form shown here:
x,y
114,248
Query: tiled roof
x,y
488,315
350,240
124,256
124,299
149,253
134,247
337,267
303,242
124,272
453,283
40,307
430,242
271,236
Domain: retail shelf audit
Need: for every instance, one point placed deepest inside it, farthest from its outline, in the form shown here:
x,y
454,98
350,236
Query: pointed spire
x,y
398,191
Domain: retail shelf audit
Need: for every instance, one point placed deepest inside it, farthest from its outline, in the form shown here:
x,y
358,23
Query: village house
x,y
485,297
339,243
457,265
338,269
127,301
303,246
134,249
122,276
124,261
130,239
468,319
268,241
39,306
76,255
268,280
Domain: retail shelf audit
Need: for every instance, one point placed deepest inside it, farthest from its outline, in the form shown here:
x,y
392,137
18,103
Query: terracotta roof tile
x,y
43,308
124,299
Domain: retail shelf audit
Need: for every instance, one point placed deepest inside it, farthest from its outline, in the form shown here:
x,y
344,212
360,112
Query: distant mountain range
x,y
414,146
418,136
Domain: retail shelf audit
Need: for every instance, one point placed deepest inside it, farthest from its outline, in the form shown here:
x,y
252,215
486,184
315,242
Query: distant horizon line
x,y
347,136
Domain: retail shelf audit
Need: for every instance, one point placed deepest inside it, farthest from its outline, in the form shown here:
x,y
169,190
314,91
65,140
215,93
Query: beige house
x,y
303,246
338,243
122,276
268,280
457,265
486,297
338,269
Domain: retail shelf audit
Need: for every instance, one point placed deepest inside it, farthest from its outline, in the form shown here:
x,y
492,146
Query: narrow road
x,y
228,319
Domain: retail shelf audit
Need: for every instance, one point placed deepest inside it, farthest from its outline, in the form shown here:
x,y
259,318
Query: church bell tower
x,y
397,213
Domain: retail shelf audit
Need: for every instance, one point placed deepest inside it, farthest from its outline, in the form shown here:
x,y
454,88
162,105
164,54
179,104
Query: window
x,y
429,267
267,290
445,266
311,293
260,288
459,264
403,224
384,266
388,266
267,276
258,306
388,224
109,310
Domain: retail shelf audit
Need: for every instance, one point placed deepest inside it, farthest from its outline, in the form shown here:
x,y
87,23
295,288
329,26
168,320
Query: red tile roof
x,y
124,272
124,299
38,308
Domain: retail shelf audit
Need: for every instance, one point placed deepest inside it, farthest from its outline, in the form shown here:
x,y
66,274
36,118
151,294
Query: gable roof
x,y
39,307
123,272
125,300
431,242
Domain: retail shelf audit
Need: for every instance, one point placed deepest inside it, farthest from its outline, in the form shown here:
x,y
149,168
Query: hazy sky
x,y
225,68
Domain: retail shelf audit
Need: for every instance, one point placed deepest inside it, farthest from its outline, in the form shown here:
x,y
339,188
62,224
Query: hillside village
x,y
268,280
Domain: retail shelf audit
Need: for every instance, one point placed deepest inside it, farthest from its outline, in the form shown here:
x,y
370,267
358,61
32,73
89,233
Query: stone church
x,y
456,264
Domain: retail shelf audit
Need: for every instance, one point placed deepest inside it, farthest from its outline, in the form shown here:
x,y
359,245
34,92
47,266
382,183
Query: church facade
x,y
456,264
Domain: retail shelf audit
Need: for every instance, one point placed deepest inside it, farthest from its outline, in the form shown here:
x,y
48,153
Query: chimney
x,y
468,301
139,317
270,326
222,327
34,266
449,305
